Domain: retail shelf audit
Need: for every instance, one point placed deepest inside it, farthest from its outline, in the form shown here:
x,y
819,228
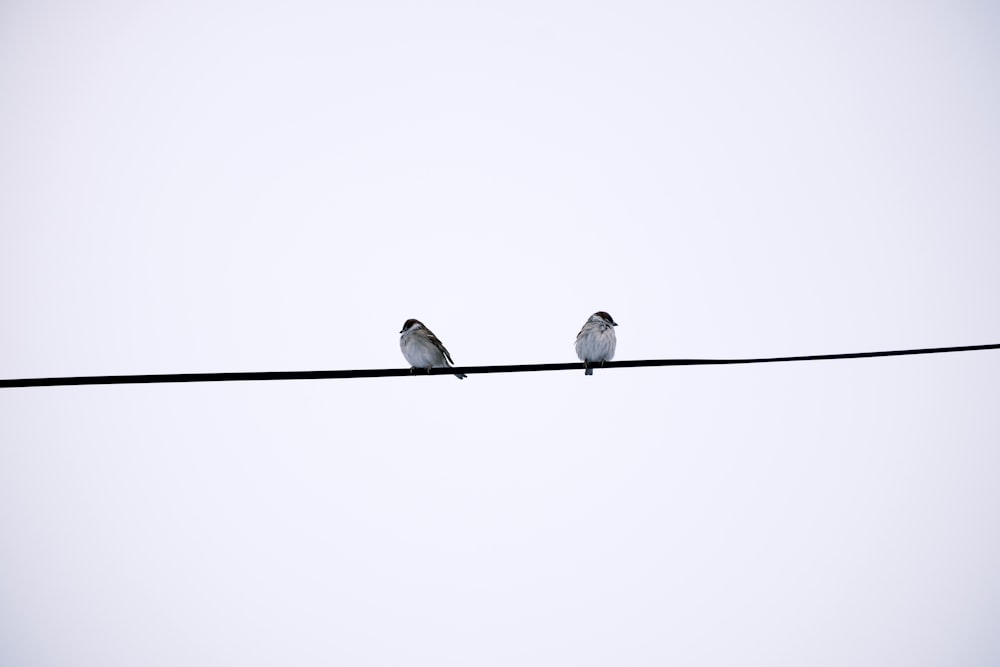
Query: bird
x,y
422,349
596,340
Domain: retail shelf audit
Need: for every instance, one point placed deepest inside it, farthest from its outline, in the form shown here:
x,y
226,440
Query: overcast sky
x,y
238,186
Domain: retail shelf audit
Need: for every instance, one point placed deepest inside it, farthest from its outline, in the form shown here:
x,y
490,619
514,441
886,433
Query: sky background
x,y
222,186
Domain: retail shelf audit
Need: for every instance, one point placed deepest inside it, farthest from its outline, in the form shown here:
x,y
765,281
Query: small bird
x,y
596,340
422,348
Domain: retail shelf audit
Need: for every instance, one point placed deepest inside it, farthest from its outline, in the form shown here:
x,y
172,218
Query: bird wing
x,y
437,342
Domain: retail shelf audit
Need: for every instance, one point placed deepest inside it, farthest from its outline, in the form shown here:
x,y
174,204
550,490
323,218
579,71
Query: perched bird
x,y
596,340
422,348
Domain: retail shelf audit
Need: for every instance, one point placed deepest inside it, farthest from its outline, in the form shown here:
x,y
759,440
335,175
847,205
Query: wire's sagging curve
x,y
468,370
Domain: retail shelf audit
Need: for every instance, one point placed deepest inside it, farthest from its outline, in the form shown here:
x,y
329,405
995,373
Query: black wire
x,y
468,370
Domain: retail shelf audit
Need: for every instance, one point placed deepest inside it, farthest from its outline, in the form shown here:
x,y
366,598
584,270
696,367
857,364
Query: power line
x,y
468,370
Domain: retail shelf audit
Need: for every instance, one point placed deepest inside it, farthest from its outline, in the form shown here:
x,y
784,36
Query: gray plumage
x,y
596,340
422,349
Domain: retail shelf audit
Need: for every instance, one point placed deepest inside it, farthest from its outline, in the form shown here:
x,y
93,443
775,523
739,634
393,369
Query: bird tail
x,y
461,376
590,371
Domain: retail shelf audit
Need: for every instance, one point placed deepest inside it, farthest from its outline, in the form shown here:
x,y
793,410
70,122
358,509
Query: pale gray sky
x,y
223,186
